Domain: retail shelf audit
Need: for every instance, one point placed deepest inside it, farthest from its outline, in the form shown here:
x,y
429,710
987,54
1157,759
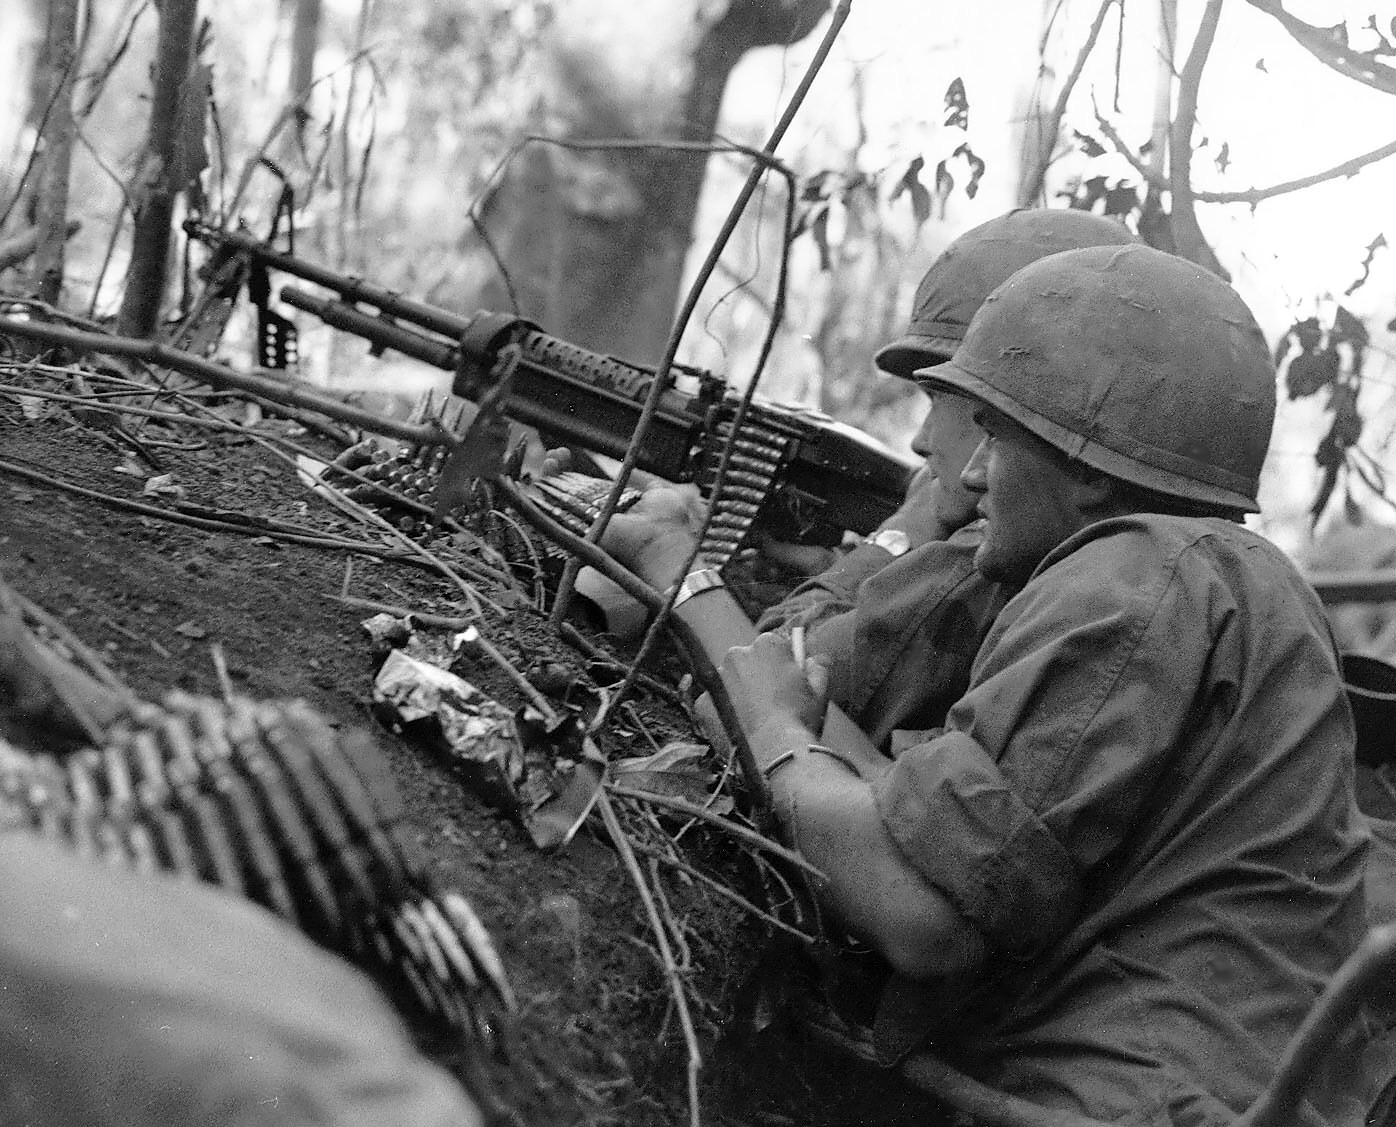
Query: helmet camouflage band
x,y
976,264
1137,363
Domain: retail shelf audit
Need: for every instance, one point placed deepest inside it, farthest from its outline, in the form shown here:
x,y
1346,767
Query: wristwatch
x,y
893,541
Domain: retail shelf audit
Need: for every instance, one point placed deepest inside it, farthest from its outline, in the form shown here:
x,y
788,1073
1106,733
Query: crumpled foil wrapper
x,y
434,707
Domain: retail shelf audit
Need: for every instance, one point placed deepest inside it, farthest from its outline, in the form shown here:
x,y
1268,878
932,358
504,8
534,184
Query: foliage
x,y
864,224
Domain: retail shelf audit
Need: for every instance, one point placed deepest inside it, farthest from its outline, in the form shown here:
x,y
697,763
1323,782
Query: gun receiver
x,y
802,475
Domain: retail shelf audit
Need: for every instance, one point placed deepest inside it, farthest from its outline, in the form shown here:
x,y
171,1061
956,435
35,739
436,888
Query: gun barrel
x,y
429,317
378,330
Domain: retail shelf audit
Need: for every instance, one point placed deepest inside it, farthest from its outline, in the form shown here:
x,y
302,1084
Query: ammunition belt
x,y
758,455
263,800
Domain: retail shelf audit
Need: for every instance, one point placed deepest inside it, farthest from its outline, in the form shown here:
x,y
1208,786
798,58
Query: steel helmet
x,y
976,264
1137,363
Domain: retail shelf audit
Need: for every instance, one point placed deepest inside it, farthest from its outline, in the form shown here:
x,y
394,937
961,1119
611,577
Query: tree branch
x,y
16,250
1327,50
1032,186
217,375
1187,234
1250,196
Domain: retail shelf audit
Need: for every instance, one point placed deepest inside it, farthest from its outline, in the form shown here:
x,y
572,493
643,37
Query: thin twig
x,y
75,645
740,832
220,667
663,375
435,621
1334,1012
579,641
1032,190
671,971
582,549
750,771
1250,196
721,889
206,523
221,376
520,682
1319,42
352,508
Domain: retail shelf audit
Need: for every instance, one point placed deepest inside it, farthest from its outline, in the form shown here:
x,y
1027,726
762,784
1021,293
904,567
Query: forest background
x,y
409,131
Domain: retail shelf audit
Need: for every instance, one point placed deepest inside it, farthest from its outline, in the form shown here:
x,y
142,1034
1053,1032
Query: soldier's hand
x,y
770,689
657,536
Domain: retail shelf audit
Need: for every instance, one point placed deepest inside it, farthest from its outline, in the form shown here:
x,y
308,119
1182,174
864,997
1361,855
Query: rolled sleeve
x,y
961,826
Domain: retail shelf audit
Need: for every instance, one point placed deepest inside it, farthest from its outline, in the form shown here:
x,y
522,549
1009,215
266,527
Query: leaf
x,y
976,169
679,770
814,187
1089,145
1094,190
919,195
33,408
1348,328
956,105
945,184
1121,199
1311,372
1260,65
162,485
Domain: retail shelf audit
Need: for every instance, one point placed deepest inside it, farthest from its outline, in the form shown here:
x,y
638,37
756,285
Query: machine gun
x,y
801,475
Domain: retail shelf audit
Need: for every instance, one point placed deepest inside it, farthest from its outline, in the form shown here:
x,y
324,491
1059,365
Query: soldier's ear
x,y
1095,492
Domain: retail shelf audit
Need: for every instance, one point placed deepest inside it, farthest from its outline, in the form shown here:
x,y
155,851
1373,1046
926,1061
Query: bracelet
x,y
695,583
815,749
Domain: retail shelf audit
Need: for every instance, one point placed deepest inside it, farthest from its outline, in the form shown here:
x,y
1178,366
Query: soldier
x,y
1119,877
154,1001
896,621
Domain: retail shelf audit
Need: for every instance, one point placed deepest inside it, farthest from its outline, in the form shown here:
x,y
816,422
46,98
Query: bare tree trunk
x,y
1030,192
156,186
305,42
1187,233
55,88
1163,85
595,240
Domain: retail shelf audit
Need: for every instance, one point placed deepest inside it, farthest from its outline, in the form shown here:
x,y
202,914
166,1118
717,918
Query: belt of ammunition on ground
x,y
265,800
574,499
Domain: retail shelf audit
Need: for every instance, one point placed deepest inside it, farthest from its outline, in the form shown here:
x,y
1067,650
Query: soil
x,y
156,598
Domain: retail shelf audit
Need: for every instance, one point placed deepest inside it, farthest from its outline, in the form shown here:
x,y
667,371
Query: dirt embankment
x,y
155,597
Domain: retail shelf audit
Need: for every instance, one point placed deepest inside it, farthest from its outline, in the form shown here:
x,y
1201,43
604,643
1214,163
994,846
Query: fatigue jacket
x,y
132,1001
1144,803
899,635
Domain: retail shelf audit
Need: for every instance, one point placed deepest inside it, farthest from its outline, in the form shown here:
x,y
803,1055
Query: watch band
x,y
696,582
893,541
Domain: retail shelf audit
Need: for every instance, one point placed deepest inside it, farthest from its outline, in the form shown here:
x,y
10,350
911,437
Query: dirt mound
x,y
158,599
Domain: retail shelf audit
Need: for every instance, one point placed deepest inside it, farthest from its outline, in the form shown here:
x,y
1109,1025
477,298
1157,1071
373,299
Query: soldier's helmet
x,y
1137,363
976,264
